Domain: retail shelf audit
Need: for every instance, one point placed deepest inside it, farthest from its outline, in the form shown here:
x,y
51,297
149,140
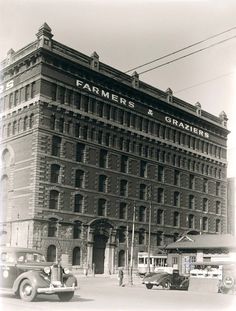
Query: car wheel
x,y
65,296
149,286
166,284
26,291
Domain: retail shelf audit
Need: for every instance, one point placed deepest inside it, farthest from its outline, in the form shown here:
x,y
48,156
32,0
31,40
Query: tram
x,y
156,261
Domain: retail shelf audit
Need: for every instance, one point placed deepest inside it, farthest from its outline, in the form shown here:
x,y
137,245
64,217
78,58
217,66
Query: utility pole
x,y
149,226
127,248
132,247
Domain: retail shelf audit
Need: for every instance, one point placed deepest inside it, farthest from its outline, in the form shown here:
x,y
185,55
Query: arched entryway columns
x,y
109,264
90,249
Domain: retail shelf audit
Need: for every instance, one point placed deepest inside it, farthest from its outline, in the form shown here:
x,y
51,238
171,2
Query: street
x,y
103,293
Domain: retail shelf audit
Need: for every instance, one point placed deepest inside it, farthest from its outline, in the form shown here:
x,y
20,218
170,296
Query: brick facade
x,y
73,153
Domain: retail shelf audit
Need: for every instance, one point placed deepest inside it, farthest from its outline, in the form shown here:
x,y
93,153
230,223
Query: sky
x,y
129,33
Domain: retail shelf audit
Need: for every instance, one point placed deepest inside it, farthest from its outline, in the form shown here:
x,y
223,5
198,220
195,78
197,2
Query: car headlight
x,y
66,270
47,270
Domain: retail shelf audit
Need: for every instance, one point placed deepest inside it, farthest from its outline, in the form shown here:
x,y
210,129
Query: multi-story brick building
x,y
83,143
231,188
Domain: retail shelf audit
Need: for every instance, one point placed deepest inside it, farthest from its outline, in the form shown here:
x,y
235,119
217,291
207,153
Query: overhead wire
x,y
189,54
204,82
182,49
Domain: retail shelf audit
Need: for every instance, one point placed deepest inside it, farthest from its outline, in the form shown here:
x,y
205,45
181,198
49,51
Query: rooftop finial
x,y
45,30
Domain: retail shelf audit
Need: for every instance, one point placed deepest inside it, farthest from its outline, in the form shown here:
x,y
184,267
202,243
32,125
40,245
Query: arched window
x,y
78,203
102,207
76,256
191,201
122,234
31,121
14,127
61,125
56,146
77,230
205,204
8,129
102,183
176,199
52,227
122,210
218,207
6,157
204,223
191,221
51,253
176,219
123,187
141,237
218,226
160,217
143,192
160,195
25,125
55,172
54,199
121,258
52,122
80,152
142,213
79,179
159,238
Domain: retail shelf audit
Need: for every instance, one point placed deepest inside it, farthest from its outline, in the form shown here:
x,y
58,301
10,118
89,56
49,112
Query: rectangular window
x,y
80,152
103,158
122,210
16,98
177,178
54,92
33,89
27,92
124,164
217,188
56,146
160,176
205,185
143,168
191,182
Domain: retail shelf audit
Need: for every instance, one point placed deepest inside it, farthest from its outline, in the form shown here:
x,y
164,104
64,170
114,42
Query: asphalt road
x,y
103,293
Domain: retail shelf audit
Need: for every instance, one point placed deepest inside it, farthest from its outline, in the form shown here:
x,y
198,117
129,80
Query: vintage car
x,y
26,273
166,280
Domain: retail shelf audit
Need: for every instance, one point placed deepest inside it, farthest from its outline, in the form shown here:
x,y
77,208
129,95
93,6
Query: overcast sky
x,y
129,33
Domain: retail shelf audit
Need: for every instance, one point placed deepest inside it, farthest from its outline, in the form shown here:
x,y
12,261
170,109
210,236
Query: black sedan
x,y
166,280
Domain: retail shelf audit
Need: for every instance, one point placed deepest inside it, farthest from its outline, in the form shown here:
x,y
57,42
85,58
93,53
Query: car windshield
x,y
29,257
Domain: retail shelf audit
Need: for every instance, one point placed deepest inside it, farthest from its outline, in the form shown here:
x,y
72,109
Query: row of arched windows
x,y
76,255
17,126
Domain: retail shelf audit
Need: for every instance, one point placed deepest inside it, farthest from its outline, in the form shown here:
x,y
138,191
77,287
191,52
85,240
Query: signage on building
x,y
187,127
6,86
105,94
93,89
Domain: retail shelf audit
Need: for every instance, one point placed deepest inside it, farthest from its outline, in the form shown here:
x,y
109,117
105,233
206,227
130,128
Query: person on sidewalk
x,y
120,277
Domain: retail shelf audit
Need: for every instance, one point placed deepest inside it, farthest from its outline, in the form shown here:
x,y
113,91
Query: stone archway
x,y
101,246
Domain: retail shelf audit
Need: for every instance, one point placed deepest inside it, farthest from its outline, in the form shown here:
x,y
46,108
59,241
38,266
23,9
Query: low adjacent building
x,y
189,249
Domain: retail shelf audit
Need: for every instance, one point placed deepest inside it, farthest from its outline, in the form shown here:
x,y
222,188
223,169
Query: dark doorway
x,y
99,253
51,253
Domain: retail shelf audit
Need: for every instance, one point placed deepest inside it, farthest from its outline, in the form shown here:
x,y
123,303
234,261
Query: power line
x,y
181,57
204,82
185,48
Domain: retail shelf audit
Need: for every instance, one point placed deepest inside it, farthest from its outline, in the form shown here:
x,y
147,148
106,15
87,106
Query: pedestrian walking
x,y
120,277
